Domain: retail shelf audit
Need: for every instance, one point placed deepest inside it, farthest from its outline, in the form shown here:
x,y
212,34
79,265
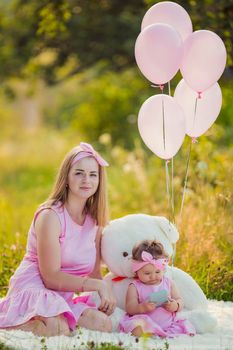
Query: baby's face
x,y
149,274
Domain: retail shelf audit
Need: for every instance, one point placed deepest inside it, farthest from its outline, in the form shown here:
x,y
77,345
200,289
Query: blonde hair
x,y
96,205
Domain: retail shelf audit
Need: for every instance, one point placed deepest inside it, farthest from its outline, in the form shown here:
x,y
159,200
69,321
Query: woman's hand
x,y
171,306
108,301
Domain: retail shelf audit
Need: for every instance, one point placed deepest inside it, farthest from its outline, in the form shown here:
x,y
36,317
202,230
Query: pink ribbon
x,y
147,258
87,151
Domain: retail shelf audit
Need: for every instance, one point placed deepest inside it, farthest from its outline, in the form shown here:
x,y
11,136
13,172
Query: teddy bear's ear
x,y
169,229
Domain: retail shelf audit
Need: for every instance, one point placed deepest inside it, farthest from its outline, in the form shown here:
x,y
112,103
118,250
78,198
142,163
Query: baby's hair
x,y
153,247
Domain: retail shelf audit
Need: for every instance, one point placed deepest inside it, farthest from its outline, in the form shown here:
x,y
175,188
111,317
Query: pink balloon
x,y
162,138
158,52
170,13
207,107
204,59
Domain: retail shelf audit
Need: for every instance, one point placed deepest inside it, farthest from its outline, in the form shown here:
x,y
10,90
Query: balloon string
x,y
173,256
173,202
192,141
186,178
169,88
195,113
164,136
172,176
170,205
168,188
172,199
169,192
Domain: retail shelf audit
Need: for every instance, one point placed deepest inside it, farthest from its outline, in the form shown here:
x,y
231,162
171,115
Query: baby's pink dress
x,y
159,322
27,295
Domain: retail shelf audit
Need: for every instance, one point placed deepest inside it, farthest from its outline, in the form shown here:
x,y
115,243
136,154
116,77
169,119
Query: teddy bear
x,y
117,242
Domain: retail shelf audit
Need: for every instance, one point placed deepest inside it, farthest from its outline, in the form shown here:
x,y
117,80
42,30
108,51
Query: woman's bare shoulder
x,y
47,219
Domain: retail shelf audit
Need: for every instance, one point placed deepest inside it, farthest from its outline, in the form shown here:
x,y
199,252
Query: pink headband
x,y
147,258
88,151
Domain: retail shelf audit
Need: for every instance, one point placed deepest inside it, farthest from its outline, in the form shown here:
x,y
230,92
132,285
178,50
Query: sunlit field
x,y
30,155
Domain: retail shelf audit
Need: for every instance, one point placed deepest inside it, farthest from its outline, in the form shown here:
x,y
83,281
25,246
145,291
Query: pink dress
x,y
27,295
159,322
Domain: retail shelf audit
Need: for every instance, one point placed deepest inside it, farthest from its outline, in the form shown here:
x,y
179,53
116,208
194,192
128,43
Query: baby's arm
x,y
175,303
132,305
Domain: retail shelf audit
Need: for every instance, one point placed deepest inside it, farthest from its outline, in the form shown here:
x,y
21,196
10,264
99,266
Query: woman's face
x,y
83,177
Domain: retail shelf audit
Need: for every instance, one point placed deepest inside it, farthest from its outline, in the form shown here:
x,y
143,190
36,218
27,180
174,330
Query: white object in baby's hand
x,y
159,297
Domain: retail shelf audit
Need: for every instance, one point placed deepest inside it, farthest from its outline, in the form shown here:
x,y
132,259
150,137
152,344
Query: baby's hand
x,y
148,306
171,305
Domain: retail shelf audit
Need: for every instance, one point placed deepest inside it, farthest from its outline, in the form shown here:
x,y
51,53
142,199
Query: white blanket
x,y
221,338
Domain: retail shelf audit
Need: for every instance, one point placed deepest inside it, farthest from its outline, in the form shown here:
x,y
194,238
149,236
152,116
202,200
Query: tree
x,y
57,39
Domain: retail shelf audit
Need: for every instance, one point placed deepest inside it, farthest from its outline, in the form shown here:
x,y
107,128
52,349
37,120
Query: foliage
x,y
99,106
92,106
55,40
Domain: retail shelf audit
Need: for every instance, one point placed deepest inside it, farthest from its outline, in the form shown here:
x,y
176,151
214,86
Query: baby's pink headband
x,y
88,151
147,258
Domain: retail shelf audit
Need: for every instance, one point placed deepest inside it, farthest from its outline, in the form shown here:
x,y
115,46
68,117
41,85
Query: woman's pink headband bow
x,y
147,258
88,151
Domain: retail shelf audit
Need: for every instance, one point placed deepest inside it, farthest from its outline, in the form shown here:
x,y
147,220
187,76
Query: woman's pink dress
x,y
159,322
27,295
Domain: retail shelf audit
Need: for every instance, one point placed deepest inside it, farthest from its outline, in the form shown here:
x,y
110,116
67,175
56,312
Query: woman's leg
x,y
45,326
37,327
95,320
56,325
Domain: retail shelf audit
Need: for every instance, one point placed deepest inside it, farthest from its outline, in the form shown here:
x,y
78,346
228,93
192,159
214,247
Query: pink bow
x,y
147,258
88,150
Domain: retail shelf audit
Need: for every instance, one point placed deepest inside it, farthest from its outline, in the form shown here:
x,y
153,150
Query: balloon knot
x,y
158,86
168,161
161,86
194,140
199,94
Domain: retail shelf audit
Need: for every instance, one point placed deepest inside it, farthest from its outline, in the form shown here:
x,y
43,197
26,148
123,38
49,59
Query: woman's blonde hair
x,y
97,204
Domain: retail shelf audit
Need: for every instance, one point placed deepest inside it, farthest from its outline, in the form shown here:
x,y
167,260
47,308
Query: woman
x,y
63,255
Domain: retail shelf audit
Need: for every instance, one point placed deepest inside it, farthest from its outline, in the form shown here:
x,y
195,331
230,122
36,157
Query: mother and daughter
x,y
63,257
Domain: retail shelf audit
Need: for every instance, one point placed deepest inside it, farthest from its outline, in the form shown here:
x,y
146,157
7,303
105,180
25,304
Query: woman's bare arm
x,y
48,228
96,273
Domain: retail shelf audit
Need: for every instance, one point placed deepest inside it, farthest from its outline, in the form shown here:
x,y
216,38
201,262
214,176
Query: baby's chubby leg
x,y
137,332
